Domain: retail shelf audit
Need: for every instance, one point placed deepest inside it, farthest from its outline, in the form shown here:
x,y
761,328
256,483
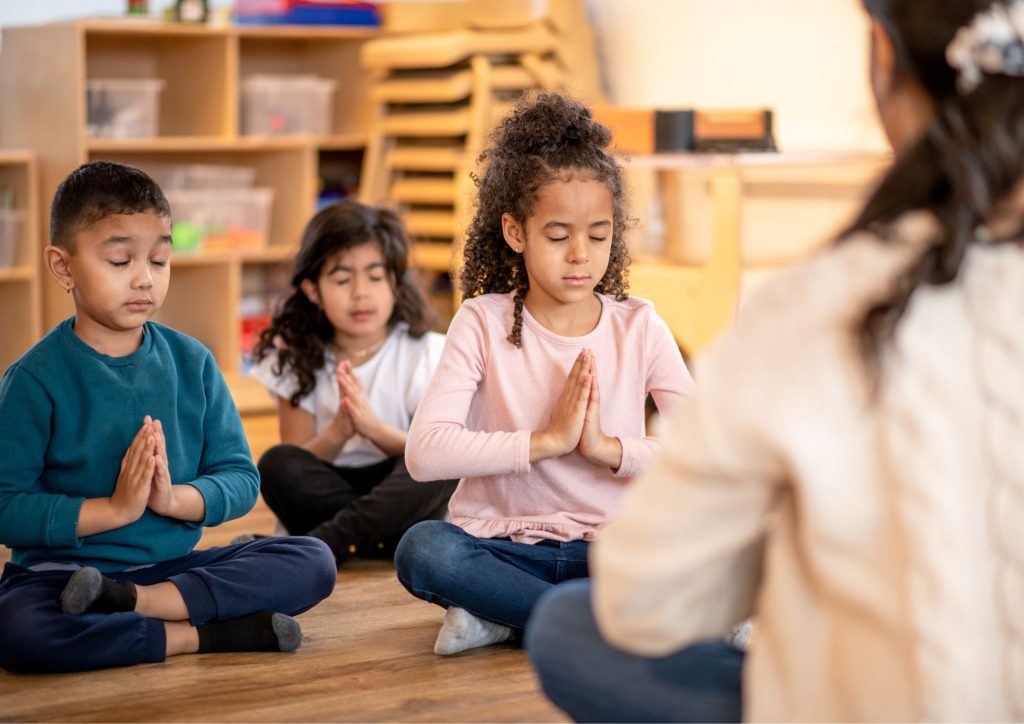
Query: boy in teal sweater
x,y
118,443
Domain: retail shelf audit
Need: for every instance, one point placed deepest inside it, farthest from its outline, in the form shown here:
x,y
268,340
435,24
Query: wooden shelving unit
x,y
20,318
43,74
725,216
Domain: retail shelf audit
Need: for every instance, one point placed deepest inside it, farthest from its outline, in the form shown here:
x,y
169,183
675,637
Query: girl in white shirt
x,y
347,358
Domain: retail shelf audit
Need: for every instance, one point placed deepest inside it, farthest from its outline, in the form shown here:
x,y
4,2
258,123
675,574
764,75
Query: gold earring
x,y
68,289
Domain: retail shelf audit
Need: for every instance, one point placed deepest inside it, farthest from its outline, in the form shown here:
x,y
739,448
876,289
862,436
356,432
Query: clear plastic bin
x,y
220,219
276,105
201,176
123,108
10,235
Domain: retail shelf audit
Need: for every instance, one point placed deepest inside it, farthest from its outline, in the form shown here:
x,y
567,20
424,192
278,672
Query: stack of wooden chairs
x,y
439,93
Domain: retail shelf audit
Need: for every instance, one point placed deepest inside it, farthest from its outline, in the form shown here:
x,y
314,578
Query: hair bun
x,y
545,123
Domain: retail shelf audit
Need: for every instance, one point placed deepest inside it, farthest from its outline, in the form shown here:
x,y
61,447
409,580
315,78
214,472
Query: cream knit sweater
x,y
876,535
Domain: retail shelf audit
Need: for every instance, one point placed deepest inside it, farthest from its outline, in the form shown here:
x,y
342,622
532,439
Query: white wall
x,y
805,59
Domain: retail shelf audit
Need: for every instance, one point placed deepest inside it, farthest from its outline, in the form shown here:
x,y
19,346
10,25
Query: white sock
x,y
740,635
462,631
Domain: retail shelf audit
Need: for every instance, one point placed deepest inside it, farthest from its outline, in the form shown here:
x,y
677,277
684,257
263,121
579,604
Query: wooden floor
x,y
367,656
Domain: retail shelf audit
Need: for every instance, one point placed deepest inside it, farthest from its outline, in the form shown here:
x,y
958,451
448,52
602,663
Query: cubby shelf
x,y
202,69
20,318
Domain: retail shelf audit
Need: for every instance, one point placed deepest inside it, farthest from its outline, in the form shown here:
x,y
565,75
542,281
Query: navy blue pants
x,y
285,575
593,681
495,579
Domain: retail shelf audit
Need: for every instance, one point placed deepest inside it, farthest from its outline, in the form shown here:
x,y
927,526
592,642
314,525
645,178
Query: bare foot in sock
x,y
90,590
463,631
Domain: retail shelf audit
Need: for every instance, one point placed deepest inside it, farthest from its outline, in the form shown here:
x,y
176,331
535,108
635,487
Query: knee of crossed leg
x,y
429,554
275,467
323,567
28,640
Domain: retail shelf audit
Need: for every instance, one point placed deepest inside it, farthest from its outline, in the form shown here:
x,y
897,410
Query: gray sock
x,y
90,590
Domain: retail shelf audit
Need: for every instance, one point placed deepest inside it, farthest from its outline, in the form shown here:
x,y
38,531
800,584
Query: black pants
x,y
356,511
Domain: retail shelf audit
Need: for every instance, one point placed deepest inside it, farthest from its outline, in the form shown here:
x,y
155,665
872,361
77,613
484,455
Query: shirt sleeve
x,y
228,480
426,363
440,447
30,517
667,381
282,385
682,561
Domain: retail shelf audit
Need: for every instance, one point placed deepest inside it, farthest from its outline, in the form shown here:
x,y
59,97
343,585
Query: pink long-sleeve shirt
x,y
487,396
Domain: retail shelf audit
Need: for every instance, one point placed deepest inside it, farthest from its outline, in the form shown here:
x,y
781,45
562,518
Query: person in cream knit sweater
x,y
850,470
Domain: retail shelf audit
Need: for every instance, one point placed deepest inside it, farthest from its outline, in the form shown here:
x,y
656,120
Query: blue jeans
x,y
493,578
591,681
286,575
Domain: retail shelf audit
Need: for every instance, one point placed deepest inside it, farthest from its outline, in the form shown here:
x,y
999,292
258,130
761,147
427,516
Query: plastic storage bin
x,y
122,108
276,105
220,219
10,235
201,176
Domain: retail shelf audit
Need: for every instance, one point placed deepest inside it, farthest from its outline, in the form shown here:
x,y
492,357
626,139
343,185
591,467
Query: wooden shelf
x,y
424,159
17,274
131,26
438,191
306,32
250,396
20,285
435,256
202,69
342,142
436,224
201,258
273,254
178,144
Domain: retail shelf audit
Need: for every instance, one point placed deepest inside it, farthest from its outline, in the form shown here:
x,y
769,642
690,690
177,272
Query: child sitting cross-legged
x,y
119,442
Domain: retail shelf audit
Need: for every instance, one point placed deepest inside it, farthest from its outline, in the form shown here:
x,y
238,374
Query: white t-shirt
x,y
394,378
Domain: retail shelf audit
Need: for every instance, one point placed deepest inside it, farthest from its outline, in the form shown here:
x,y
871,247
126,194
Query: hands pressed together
x,y
576,420
144,481
355,416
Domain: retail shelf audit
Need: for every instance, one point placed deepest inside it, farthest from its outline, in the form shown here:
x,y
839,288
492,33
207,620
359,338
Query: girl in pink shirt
x,y
538,401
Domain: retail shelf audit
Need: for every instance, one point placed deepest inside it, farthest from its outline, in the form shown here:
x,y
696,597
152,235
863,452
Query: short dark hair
x,y
99,189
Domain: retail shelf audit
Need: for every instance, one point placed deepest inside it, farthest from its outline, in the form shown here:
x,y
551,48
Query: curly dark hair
x,y
544,137
300,332
968,160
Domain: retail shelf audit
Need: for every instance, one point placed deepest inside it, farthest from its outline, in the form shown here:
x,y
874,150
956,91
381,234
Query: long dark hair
x,y
969,158
545,135
300,331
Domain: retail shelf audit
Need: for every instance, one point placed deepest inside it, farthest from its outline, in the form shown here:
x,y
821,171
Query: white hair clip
x,y
992,43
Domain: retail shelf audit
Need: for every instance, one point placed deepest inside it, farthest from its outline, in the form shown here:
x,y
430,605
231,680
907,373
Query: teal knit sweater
x,y
67,417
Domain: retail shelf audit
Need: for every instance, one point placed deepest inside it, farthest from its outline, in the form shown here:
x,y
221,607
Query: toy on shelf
x,y
305,12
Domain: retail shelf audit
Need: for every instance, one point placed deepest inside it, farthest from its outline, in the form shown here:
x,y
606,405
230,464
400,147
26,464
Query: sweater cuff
x,y
213,498
630,459
63,524
523,456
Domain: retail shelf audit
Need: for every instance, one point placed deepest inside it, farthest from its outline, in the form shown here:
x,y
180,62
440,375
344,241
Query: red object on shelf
x,y
251,328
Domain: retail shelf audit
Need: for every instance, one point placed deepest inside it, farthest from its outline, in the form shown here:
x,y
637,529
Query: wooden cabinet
x,y
713,225
44,72
20,323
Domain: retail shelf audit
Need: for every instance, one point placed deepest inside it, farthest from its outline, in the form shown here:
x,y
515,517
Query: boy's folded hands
x,y
134,482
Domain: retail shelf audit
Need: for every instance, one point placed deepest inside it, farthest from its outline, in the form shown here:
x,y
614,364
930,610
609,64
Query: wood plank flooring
x,y
367,656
